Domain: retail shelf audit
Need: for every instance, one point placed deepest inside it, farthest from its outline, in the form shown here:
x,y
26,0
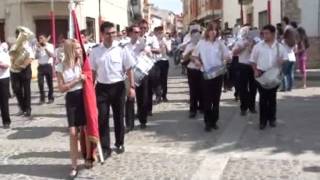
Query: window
x,y
2,35
263,19
91,28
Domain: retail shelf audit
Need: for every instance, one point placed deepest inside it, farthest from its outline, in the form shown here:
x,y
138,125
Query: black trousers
x,y
154,86
267,104
142,94
129,108
235,75
45,71
211,100
4,100
21,84
111,95
248,88
195,81
164,69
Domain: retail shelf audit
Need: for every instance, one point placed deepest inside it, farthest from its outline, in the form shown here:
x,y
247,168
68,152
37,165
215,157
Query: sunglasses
x,y
110,33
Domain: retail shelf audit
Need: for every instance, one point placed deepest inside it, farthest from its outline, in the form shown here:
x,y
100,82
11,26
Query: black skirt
x,y
75,109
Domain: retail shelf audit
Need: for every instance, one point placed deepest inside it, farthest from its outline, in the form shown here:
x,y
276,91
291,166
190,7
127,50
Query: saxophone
x,y
18,53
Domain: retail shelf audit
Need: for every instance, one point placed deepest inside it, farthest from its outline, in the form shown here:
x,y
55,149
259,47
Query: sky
x,y
172,5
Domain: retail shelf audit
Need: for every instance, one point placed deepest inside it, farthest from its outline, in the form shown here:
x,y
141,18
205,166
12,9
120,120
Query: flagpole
x,y
53,24
71,26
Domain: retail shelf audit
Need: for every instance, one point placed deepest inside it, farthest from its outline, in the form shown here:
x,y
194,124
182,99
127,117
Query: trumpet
x,y
18,53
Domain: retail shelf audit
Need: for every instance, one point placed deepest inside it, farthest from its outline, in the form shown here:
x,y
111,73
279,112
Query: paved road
x,y
174,146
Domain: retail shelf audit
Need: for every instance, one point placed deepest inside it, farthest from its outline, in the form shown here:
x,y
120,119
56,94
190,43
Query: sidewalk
x,y
174,146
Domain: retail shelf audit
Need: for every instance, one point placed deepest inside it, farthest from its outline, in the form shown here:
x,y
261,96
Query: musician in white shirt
x,y
45,54
137,47
152,48
4,87
163,62
266,55
209,54
111,63
194,75
247,84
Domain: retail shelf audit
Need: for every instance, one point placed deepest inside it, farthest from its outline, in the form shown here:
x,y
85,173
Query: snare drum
x,y
142,68
214,72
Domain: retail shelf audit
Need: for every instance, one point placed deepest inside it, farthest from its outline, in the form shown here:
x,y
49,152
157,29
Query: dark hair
x,y
43,34
303,38
143,21
294,24
270,28
130,28
106,25
279,29
212,26
84,32
286,20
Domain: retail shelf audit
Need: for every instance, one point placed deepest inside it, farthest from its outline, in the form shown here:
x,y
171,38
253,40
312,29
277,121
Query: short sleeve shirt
x,y
244,56
111,64
70,74
211,54
42,56
4,59
266,57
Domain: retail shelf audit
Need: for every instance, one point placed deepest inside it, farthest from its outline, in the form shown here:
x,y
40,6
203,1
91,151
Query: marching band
x,y
134,68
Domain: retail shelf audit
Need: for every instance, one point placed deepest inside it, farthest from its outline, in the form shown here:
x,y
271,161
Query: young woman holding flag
x,y
70,80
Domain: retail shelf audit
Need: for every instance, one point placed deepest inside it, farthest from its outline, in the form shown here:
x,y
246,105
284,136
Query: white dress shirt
x,y
4,59
291,56
70,74
266,57
244,55
42,55
211,53
111,64
189,48
136,48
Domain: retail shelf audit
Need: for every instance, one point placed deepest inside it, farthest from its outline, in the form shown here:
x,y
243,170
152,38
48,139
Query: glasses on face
x,y
110,33
136,32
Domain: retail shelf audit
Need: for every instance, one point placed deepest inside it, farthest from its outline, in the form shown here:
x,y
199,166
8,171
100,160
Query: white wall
x,y
231,12
310,16
262,5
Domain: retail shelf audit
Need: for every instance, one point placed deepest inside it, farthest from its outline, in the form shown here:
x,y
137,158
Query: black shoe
x,y
157,101
41,102
165,99
143,126
243,113
6,126
192,115
107,154
273,124
236,98
253,111
27,113
120,149
150,113
215,126
262,126
50,101
20,113
207,128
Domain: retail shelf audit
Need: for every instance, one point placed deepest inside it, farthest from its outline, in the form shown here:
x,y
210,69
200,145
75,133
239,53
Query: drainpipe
x,y
269,11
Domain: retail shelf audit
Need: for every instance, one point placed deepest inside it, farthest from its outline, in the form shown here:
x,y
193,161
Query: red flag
x,y
89,94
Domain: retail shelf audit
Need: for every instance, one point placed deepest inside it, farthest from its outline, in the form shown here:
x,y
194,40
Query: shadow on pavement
x,y
297,131
54,171
35,132
54,154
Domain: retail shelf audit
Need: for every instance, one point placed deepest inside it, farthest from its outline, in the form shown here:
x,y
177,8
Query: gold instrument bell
x,y
18,52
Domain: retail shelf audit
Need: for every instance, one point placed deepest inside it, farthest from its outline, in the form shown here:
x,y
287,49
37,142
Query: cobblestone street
x,y
174,146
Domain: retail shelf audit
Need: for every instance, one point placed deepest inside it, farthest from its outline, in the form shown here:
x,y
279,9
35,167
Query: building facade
x,y
34,14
